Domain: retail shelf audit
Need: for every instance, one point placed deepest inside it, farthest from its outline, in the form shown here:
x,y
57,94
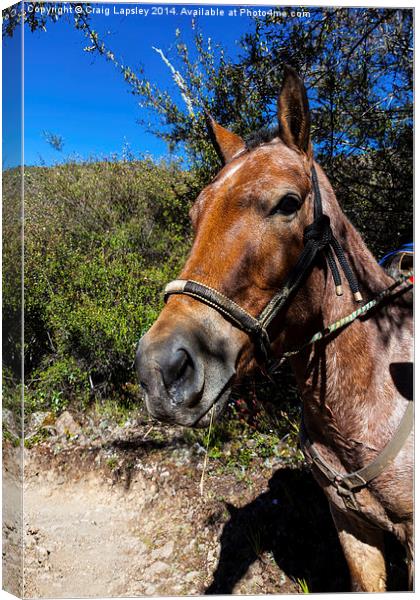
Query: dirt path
x,y
89,532
115,511
82,539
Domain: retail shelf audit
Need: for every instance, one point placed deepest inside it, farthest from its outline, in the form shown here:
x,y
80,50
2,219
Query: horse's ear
x,y
226,143
293,112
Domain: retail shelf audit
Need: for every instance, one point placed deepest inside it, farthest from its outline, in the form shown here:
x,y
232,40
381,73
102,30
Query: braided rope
x,y
401,282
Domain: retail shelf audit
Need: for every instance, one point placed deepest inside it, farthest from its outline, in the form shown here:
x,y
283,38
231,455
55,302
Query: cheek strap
x,y
224,305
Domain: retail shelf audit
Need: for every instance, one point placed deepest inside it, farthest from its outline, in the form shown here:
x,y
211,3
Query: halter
x,y
318,237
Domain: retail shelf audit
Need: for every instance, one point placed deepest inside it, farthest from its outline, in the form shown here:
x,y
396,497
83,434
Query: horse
x,y
261,279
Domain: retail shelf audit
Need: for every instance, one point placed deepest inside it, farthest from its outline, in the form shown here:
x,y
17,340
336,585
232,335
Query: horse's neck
x,y
333,377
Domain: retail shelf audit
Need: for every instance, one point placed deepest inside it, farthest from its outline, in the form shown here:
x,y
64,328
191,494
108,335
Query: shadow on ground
x,y
292,521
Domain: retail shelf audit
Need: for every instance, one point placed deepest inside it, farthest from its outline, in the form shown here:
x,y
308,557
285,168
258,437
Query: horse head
x,y
248,225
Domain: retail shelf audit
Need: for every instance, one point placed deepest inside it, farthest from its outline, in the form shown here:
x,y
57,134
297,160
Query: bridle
x,y
318,237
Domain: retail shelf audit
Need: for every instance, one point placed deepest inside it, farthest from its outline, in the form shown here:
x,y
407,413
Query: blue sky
x,y
12,89
84,99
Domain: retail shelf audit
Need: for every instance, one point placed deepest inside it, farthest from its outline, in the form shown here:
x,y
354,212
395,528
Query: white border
x,y
320,3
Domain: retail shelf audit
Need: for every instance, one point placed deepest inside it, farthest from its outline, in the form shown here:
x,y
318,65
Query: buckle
x,y
346,495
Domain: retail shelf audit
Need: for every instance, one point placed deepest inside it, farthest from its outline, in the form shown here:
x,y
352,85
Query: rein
x,y
402,284
318,237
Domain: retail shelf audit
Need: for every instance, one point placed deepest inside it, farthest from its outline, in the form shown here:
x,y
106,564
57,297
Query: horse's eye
x,y
288,205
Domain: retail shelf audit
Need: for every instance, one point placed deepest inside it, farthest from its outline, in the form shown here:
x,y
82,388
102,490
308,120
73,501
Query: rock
x,y
10,422
36,421
153,489
155,569
150,590
42,554
163,552
191,576
66,425
198,449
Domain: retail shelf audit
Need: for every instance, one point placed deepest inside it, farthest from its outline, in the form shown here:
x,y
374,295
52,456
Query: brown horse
x,y
249,225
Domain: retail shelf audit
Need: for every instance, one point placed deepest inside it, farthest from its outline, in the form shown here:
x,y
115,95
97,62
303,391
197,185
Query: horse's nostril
x,y
185,362
169,373
178,367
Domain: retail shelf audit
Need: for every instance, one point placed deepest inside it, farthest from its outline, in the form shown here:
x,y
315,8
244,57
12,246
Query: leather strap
x,y
387,455
360,478
230,310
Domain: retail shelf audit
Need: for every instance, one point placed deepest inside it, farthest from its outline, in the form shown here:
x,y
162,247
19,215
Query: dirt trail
x,y
110,512
82,539
90,537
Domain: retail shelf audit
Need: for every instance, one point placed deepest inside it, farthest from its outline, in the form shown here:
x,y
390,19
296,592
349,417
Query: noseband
x,y
318,237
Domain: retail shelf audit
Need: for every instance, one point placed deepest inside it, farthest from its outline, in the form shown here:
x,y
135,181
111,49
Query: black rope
x,y
320,235
354,286
334,270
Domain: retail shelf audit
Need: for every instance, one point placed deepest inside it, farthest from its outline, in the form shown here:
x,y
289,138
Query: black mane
x,y
263,136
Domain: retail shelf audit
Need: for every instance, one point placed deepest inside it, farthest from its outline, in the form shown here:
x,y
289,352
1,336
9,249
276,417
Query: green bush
x,y
101,241
54,386
11,273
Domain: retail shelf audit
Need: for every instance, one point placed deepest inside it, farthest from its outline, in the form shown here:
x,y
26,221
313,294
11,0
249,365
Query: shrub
x,y
53,386
101,240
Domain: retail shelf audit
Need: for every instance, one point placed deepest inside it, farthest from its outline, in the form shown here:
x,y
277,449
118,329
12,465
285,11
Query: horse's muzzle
x,y
171,378
183,375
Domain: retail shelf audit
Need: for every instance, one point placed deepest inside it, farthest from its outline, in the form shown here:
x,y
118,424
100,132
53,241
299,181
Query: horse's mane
x,y
263,136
